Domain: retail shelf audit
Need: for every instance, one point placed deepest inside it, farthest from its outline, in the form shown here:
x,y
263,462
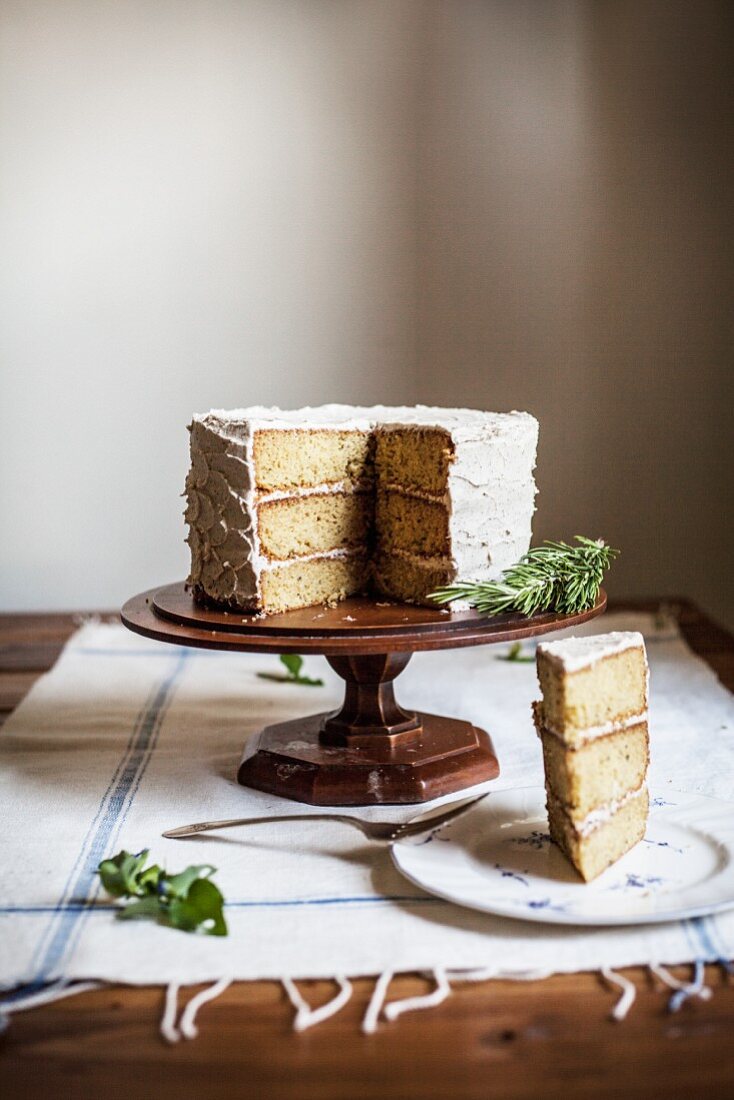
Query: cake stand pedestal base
x,y
371,751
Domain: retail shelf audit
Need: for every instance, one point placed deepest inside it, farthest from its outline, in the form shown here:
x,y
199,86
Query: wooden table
x,y
504,1039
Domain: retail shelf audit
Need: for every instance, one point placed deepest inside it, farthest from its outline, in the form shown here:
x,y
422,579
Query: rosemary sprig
x,y
552,577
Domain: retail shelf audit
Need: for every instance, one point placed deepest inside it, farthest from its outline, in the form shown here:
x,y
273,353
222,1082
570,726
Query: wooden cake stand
x,y
371,750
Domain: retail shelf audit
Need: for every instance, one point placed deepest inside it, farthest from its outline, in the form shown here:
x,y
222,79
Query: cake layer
x,y
410,579
603,770
588,682
318,580
575,738
416,458
414,524
606,837
304,457
314,523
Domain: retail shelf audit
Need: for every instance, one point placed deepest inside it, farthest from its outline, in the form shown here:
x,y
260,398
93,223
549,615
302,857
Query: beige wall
x,y
201,203
576,252
502,204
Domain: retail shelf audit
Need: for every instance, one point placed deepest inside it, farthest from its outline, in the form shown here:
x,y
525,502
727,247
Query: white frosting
x,y
572,654
490,489
602,814
339,552
324,489
592,732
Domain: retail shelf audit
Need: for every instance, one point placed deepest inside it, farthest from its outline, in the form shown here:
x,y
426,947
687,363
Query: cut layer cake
x,y
592,723
290,509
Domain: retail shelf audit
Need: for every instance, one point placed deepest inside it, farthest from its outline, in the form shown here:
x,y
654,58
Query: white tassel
x,y
377,1000
429,1000
167,1025
187,1023
55,992
625,1002
309,1017
683,990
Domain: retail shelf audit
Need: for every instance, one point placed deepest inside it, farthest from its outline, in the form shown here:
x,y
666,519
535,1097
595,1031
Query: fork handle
x,y
210,826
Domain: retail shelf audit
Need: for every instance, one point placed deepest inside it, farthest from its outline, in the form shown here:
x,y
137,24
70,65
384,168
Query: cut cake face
x,y
592,723
290,509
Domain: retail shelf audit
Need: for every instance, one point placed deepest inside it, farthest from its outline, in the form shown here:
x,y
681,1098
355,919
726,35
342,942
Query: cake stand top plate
x,y
359,625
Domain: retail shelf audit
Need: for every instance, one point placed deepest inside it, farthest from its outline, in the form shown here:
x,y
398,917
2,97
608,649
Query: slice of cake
x,y
592,723
289,509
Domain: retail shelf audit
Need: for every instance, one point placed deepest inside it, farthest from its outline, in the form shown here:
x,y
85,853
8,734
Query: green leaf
x,y
149,878
141,909
200,910
293,663
178,886
121,875
515,655
188,900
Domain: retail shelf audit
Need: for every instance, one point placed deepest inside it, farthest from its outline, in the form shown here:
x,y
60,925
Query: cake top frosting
x,y
462,423
573,654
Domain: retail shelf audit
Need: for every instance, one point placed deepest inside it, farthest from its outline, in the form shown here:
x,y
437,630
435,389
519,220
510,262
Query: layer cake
x,y
291,508
592,723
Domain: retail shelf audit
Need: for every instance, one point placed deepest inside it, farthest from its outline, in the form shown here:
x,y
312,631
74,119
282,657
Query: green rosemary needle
x,y
553,577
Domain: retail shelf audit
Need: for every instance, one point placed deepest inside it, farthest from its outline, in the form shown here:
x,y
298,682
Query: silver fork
x,y
385,832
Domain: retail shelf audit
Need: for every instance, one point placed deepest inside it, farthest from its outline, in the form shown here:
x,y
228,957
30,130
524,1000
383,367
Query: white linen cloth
x,y
126,737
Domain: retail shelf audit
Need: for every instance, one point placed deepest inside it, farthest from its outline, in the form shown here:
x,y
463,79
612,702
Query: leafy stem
x,y
515,654
293,664
189,900
553,577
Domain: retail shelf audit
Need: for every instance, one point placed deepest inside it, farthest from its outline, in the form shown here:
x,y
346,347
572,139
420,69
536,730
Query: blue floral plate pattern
x,y
498,858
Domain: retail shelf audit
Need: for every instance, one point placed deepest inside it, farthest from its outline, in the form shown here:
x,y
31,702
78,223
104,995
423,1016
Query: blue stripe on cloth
x,y
698,924
82,883
275,903
713,945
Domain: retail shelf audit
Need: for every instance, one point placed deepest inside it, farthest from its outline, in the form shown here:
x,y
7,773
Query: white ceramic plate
x,y
498,858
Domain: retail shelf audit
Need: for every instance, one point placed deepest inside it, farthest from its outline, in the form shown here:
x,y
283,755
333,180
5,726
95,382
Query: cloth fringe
x,y
377,1000
683,990
57,991
428,1000
187,1023
309,1017
443,979
629,992
186,1027
169,1031
172,1031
